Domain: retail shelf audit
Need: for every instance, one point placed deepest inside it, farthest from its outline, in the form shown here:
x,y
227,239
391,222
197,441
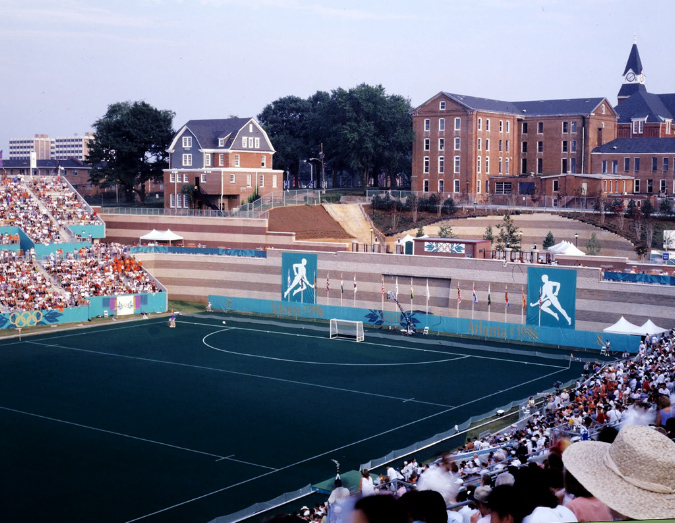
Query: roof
x,y
604,176
566,106
646,105
637,146
450,240
634,63
20,163
207,132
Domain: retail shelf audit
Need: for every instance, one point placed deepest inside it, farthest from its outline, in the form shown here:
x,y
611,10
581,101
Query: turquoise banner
x,y
298,277
490,330
661,279
551,297
214,251
93,230
22,319
43,250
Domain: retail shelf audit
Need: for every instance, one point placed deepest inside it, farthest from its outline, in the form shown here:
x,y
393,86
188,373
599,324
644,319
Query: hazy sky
x,y
63,62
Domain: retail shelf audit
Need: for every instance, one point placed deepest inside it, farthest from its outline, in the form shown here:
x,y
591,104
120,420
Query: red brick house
x,y
225,160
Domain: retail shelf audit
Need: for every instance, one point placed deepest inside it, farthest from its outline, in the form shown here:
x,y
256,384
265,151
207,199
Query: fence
x,y
259,508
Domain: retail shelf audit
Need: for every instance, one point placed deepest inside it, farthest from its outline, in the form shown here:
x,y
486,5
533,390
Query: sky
x,y
63,62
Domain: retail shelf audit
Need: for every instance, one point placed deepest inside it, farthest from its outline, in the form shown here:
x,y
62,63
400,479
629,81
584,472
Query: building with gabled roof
x,y
226,160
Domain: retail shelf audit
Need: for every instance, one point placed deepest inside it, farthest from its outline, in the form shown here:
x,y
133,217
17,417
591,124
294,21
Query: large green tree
x,y
508,236
130,146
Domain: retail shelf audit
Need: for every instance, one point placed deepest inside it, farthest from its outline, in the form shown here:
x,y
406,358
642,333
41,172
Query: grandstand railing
x,y
259,508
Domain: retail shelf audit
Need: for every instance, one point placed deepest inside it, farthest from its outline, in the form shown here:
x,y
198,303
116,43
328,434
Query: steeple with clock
x,y
633,76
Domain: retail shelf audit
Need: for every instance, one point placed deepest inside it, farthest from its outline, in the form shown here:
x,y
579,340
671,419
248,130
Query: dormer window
x,y
221,142
638,126
244,142
187,142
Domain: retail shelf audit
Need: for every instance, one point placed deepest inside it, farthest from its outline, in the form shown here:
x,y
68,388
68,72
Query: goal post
x,y
348,329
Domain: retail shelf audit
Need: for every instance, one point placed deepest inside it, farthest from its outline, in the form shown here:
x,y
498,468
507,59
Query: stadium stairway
x,y
535,227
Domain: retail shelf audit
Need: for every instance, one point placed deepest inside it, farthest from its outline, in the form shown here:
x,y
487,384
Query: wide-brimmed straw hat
x,y
634,476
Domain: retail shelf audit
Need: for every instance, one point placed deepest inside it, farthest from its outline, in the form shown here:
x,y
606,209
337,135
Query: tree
x,y
130,146
508,234
549,241
487,235
420,231
664,207
647,208
593,245
445,231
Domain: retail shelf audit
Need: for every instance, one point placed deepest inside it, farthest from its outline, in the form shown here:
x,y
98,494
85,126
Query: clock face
x,y
630,77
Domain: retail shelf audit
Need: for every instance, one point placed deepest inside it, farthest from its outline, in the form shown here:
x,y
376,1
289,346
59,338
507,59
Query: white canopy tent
x,y
565,247
623,326
161,236
650,328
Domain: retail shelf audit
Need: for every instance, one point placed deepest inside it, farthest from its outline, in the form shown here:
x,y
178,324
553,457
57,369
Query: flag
x,y
397,287
412,293
0,159
459,295
506,296
489,297
327,282
355,284
427,289
524,306
475,296
342,285
383,285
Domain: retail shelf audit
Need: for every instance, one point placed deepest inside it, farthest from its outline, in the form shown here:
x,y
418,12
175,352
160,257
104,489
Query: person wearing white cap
x,y
634,476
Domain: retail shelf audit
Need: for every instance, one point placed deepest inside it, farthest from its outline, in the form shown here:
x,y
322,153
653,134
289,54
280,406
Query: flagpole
x,y
383,294
328,289
522,309
489,302
473,299
412,293
427,296
342,289
506,304
539,306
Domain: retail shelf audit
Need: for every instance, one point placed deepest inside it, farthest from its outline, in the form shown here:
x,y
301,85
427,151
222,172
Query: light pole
x,y
371,239
576,239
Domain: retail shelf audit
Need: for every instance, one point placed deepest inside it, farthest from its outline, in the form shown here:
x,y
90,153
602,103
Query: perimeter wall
x,y
599,304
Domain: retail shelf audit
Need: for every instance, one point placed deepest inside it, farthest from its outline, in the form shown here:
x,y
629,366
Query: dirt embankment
x,y
307,222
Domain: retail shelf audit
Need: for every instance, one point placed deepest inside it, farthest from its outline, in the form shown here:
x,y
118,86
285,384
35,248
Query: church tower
x,y
633,76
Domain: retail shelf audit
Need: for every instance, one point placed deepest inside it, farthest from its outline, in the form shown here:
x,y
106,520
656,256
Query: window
x,y
487,144
456,186
427,143
573,165
187,142
500,145
487,165
441,124
457,164
636,186
221,160
500,165
250,128
638,126
427,124
244,142
263,161
637,165
458,124
487,124
564,166
172,200
540,146
261,182
232,178
186,201
564,146
441,186
507,146
603,108
186,178
566,127
574,127
478,164
615,166
221,142
187,160
506,170
663,186
650,186
487,186
524,127
508,129
457,144
477,186
556,186
655,162
237,160
604,166
668,126
524,147
502,187
274,181
248,180
573,146
479,144
441,144
501,128
172,177
540,165
207,160
203,178
540,127
665,165
626,164
426,164
257,143
425,186
74,172
441,105
480,124
441,164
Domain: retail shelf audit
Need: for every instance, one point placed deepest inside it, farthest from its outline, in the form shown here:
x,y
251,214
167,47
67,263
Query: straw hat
x,y
634,476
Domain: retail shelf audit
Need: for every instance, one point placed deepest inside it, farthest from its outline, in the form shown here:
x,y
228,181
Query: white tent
x,y
565,247
623,326
161,236
649,328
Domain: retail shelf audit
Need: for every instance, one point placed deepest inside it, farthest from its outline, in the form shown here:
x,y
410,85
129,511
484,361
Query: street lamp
x,y
371,239
576,239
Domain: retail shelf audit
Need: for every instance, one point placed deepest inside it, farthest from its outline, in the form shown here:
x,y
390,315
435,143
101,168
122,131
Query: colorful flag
x,y
506,296
327,282
355,284
475,296
459,295
397,287
524,306
489,297
427,289
342,285
383,285
412,293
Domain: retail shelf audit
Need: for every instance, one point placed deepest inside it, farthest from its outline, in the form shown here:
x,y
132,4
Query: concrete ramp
x,y
352,219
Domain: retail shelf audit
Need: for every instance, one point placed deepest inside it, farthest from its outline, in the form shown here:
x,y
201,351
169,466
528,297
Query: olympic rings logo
x,y
25,318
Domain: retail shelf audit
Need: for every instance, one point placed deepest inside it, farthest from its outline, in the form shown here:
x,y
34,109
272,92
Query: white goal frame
x,y
346,329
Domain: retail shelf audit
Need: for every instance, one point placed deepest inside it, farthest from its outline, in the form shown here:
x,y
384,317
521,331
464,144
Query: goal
x,y
346,329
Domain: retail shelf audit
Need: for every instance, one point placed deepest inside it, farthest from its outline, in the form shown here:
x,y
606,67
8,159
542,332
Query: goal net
x,y
346,329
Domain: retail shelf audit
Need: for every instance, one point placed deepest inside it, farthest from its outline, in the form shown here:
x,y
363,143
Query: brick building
x,y
225,160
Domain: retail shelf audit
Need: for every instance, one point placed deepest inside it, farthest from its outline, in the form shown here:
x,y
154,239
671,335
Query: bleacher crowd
x,y
601,450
